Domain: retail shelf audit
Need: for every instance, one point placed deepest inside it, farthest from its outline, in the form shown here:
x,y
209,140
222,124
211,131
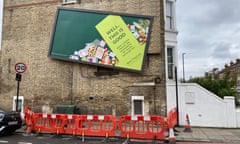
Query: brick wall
x,y
27,29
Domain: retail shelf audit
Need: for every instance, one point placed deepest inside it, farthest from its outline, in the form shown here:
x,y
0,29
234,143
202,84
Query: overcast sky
x,y
209,34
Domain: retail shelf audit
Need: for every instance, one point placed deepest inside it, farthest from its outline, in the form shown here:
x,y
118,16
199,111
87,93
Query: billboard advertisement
x,y
111,40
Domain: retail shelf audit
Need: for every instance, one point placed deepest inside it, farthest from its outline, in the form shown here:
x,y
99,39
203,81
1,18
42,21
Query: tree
x,y
220,86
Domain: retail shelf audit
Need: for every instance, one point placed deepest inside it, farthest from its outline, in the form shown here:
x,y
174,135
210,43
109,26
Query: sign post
x,y
19,68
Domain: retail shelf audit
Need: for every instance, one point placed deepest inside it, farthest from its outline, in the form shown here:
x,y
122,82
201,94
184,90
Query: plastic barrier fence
x,y
138,127
48,123
142,127
98,125
171,118
72,124
85,125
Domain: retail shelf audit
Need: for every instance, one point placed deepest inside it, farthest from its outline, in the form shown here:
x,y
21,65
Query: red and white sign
x,y
20,67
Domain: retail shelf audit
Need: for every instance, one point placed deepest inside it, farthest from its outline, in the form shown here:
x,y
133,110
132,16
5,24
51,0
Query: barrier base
x,y
187,130
28,134
127,141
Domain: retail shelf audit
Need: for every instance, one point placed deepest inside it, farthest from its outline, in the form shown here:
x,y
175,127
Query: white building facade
x,y
203,107
171,52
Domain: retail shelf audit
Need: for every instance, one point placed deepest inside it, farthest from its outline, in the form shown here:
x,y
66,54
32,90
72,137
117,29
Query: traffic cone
x,y
187,126
171,139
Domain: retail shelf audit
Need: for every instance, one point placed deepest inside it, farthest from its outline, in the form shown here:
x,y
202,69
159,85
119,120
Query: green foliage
x,y
219,86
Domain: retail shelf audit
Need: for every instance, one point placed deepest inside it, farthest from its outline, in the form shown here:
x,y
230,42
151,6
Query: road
x,y
20,138
203,143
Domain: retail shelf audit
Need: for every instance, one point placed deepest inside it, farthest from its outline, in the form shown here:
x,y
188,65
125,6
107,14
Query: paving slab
x,y
209,134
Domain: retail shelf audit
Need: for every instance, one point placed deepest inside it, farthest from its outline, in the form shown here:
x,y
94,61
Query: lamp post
x,y
183,66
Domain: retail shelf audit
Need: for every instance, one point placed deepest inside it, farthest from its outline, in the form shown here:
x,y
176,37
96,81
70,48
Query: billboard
x,y
111,40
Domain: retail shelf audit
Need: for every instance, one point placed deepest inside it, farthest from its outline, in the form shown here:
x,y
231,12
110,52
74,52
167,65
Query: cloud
x,y
209,32
221,50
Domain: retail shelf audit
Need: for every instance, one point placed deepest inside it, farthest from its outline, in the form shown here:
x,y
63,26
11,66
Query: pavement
x,y
203,134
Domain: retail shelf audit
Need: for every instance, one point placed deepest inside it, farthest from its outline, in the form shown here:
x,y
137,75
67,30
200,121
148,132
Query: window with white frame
x,y
137,105
170,64
69,1
169,15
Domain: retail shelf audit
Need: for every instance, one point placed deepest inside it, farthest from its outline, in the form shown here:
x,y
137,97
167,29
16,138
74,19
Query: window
x,y
170,63
20,106
169,15
137,105
69,1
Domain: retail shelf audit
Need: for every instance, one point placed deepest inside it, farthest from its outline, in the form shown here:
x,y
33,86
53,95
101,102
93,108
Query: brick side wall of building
x,y
27,29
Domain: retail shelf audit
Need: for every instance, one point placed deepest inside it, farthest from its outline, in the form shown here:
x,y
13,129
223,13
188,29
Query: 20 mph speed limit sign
x,y
20,67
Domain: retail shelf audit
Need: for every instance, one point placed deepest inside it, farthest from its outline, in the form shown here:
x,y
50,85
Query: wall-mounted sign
x,y
20,67
111,40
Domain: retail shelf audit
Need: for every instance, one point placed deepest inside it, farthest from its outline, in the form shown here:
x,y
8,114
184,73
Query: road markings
x,y
3,141
24,143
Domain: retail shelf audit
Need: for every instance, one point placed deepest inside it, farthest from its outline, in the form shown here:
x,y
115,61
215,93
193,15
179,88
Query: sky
x,y
209,34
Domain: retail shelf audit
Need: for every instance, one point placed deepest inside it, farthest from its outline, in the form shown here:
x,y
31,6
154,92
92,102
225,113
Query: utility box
x,y
66,109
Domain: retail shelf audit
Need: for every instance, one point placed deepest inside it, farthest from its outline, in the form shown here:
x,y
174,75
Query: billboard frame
x,y
105,13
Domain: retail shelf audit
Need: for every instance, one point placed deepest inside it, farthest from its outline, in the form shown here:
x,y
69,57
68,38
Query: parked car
x,y
10,121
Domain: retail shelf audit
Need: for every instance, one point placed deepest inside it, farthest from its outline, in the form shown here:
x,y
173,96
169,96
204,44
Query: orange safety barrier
x,y
72,124
49,123
138,127
97,125
142,127
28,119
172,117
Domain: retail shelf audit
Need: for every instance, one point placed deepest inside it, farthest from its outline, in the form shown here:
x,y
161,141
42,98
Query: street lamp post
x,y
183,66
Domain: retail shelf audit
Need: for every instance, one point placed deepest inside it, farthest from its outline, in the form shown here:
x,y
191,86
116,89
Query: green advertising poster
x,y
111,40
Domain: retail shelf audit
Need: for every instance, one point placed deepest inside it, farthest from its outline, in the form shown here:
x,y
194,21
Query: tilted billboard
x,y
111,40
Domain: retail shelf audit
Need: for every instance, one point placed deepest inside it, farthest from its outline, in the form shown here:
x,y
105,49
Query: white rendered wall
x,y
238,117
204,108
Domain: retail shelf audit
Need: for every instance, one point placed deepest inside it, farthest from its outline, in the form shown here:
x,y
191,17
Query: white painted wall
x,y
204,108
238,117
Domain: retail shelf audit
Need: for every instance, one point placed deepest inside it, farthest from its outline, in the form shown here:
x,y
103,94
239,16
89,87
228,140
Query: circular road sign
x,y
20,67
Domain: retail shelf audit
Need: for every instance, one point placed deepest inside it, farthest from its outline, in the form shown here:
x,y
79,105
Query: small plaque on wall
x,y
189,97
